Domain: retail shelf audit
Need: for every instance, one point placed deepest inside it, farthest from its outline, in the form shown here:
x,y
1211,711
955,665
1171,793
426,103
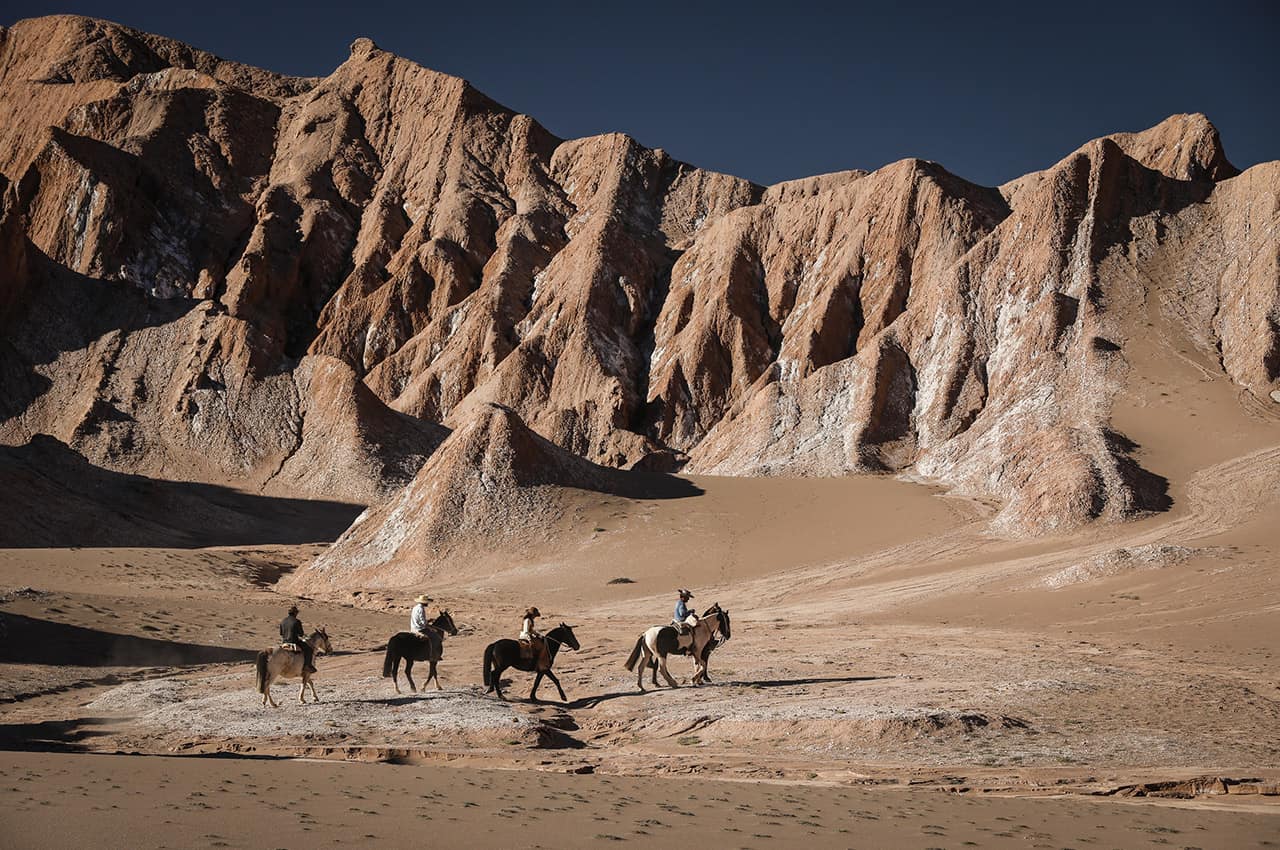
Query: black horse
x,y
410,647
501,654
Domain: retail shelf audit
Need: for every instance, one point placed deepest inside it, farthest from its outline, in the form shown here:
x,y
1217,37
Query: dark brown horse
x,y
409,647
505,653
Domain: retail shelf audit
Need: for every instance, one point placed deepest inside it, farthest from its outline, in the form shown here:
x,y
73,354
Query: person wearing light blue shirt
x,y
685,617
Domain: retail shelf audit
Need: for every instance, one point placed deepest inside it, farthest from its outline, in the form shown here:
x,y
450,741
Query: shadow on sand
x,y
54,497
814,680
52,735
592,702
35,641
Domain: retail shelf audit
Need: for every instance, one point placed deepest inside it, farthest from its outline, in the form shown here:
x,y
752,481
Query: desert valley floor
x,y
893,665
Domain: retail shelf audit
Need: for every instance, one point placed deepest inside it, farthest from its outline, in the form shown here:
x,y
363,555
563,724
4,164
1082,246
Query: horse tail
x,y
635,653
488,664
390,660
261,678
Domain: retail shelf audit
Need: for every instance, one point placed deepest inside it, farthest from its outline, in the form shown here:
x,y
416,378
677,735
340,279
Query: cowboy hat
x,y
422,598
685,592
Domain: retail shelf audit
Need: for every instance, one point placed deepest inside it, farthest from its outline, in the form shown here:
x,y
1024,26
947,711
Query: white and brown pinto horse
x,y
660,641
282,663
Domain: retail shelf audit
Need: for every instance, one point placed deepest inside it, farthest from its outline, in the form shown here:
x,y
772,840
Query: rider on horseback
x,y
418,617
536,642
685,617
291,632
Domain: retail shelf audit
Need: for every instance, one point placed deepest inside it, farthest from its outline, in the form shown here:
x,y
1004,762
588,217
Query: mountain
x,y
209,272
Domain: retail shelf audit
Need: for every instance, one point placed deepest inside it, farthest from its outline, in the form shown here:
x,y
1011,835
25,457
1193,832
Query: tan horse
x,y
281,663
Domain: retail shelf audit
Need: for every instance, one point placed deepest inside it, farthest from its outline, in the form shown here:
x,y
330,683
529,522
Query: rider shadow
x,y
592,702
815,680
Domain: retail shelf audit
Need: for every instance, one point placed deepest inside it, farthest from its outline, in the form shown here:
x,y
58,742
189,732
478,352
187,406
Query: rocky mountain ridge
x,y
211,272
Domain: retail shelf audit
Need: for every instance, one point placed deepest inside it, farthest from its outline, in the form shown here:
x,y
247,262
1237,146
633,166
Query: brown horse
x,y
409,647
281,663
503,654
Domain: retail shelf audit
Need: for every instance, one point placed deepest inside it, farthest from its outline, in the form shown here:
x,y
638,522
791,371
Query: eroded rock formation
x,y
211,272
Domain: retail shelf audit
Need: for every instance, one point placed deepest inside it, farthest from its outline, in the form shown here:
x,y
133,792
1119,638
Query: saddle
x,y
684,637
291,647
535,651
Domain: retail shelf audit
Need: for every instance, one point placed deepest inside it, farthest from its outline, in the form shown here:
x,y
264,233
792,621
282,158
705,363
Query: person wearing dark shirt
x,y
291,632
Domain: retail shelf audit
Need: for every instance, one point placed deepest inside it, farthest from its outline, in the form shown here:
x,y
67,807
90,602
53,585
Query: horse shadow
x,y
813,680
592,702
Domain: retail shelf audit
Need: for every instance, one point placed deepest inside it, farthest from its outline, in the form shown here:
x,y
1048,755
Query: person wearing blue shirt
x,y
685,617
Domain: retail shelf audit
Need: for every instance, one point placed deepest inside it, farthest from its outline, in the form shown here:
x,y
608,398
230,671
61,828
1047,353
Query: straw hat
x,y
685,593
423,599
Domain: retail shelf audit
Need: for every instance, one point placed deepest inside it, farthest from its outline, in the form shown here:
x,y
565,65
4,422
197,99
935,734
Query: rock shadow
x,y
31,640
54,497
52,735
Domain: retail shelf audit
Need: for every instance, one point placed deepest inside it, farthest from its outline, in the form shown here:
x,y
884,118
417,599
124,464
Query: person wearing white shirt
x,y
418,616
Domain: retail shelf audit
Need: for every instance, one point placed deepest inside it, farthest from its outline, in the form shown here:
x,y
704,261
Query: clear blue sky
x,y
795,88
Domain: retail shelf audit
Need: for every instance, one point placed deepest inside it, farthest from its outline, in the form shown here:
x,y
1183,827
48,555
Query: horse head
x,y
563,634
722,619
320,641
445,623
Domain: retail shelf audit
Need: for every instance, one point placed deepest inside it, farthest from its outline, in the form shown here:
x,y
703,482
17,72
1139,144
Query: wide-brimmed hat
x,y
422,598
532,611
685,592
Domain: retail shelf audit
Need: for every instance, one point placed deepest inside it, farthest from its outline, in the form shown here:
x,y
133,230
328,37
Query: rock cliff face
x,y
211,272
493,484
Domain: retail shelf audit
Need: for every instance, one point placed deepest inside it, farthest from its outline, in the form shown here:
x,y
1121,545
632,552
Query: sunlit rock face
x,y
209,271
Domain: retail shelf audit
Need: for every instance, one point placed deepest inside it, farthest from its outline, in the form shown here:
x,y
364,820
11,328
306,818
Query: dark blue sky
x,y
991,91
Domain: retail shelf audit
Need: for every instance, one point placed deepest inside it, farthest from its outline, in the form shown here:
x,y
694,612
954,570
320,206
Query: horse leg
x,y
434,675
537,680
314,696
266,691
408,674
302,691
666,674
556,682
496,681
395,673
640,668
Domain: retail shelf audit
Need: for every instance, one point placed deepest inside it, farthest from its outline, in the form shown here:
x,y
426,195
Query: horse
x,y
501,654
660,641
410,647
281,663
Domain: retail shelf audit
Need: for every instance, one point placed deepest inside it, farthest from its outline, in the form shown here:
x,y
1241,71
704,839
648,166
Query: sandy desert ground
x,y
896,676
